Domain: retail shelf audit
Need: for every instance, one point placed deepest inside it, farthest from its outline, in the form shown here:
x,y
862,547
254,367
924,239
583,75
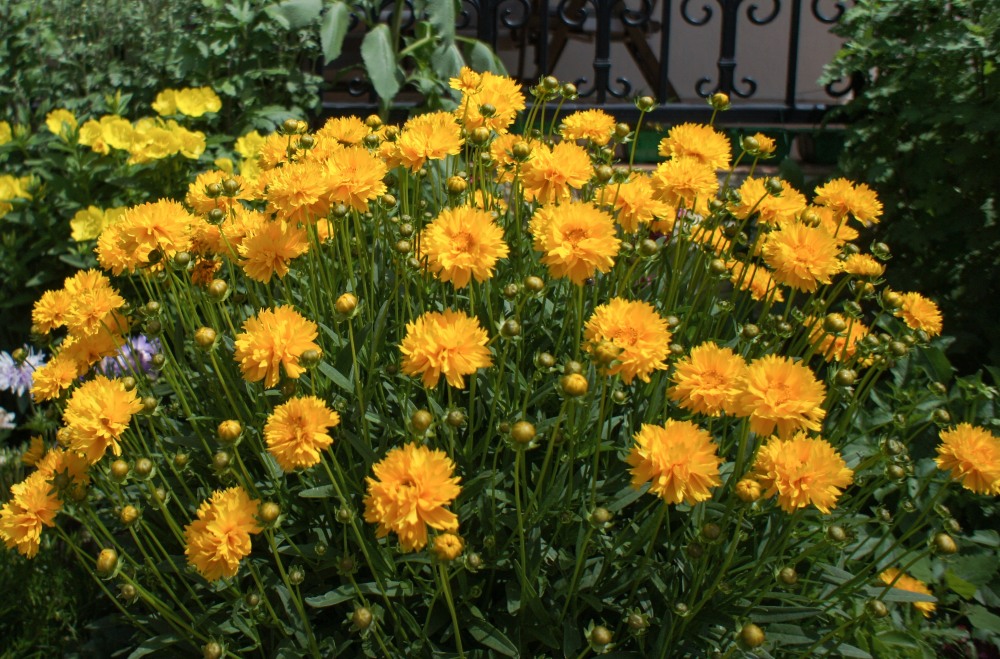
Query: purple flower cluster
x,y
15,376
136,355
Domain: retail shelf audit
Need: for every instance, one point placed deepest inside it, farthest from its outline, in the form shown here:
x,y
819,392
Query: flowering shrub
x,y
443,388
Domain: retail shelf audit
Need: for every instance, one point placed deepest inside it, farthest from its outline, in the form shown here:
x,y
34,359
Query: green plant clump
x,y
923,132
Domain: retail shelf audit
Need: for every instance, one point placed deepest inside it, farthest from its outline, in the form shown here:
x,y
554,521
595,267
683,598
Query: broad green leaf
x,y
490,636
481,58
321,492
332,30
380,62
977,569
441,14
154,644
959,585
300,13
982,619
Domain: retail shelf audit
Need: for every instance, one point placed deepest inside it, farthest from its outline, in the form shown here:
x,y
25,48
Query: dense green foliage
x,y
923,133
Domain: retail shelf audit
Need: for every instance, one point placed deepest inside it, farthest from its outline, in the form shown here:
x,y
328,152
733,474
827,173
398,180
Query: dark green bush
x,y
923,132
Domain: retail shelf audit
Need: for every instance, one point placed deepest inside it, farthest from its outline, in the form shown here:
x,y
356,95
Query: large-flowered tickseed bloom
x,y
296,432
697,141
220,537
630,336
269,250
863,265
410,488
449,343
346,130
297,192
162,226
919,313
553,172
33,505
596,126
354,177
499,93
708,380
96,415
757,280
431,136
272,339
635,204
972,455
685,183
93,305
52,378
462,243
802,257
845,199
893,576
50,311
576,238
802,470
836,347
754,198
781,396
679,459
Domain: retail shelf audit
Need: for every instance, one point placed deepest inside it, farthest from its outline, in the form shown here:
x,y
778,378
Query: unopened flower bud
x,y
945,544
128,515
545,360
788,576
568,91
520,151
143,467
834,323
149,404
649,247
218,289
645,103
119,470
269,512
107,562
748,490
346,304
711,531
205,337
622,130
719,101
599,637
455,418
752,636
574,384
773,185
892,299
750,144
845,377
229,431
534,284
479,136
421,420
457,185
221,460
362,618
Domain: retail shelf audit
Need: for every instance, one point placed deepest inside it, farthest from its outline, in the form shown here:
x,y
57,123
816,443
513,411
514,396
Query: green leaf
x,y
977,569
154,644
490,636
481,58
983,619
380,62
845,650
336,377
959,585
447,62
300,13
441,14
333,29
321,492
347,592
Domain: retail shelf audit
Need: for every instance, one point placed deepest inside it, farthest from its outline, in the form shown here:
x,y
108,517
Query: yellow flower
x,y
779,393
431,136
59,120
703,143
193,102
199,200
462,243
919,313
552,172
756,280
635,204
863,265
354,177
87,350
836,347
685,183
638,337
272,339
296,432
6,134
859,202
802,471
576,238
466,82
249,145
87,224
447,546
220,537
972,455
49,380
93,305
71,468
708,380
771,209
33,505
117,132
449,344
297,192
765,145
346,130
92,135
50,310
34,452
96,415
679,460
748,490
268,250
595,126
500,93
163,226
892,576
802,257
411,486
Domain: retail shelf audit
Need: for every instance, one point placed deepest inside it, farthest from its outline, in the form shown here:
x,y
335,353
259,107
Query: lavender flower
x,y
16,377
136,355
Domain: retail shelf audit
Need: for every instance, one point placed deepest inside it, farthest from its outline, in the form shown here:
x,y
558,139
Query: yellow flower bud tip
x,y
119,470
748,490
534,284
128,515
143,467
269,512
421,420
574,384
600,636
229,431
362,618
523,432
205,337
346,304
752,636
107,562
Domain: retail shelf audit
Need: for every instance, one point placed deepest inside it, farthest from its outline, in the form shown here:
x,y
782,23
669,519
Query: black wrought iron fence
x,y
617,49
